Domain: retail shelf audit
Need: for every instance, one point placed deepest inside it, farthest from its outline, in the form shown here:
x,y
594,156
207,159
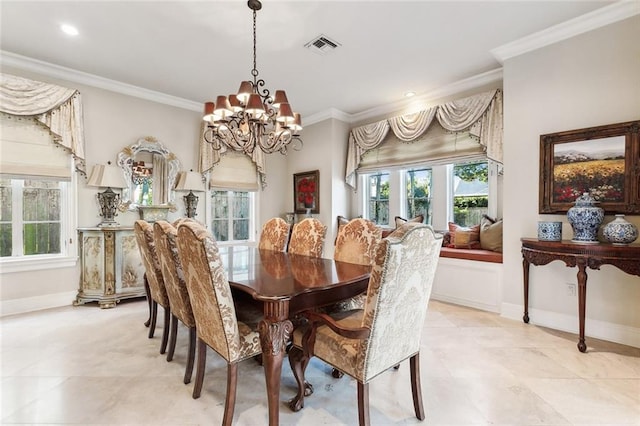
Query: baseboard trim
x,y
36,303
604,330
466,302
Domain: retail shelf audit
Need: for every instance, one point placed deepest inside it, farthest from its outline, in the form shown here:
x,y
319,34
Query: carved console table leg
x,y
582,301
275,331
525,270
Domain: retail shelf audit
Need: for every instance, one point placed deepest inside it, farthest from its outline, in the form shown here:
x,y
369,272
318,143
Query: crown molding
x,y
590,21
466,84
331,113
57,71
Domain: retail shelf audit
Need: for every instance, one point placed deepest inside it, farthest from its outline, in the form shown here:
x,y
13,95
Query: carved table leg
x,y
275,331
582,302
525,270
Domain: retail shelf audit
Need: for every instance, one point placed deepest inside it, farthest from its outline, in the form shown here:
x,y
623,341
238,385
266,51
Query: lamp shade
x,y
189,181
107,176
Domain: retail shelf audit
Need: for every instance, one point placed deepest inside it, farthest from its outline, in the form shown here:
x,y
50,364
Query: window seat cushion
x,y
472,254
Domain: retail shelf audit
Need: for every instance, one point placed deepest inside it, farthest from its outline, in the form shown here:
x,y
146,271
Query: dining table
x,y
287,284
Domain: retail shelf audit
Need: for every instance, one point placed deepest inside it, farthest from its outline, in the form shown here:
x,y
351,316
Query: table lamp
x,y
107,176
190,181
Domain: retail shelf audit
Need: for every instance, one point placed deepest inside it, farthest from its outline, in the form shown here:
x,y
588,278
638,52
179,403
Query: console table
x,y
625,258
110,266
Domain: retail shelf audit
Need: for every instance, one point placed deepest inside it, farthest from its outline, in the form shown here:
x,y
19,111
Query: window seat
x,y
472,254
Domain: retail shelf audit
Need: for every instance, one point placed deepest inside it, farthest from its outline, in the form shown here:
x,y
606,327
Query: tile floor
x,y
83,365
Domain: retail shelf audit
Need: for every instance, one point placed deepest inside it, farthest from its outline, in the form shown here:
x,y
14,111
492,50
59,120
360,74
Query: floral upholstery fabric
x,y
307,237
275,233
356,243
165,236
210,296
147,246
397,297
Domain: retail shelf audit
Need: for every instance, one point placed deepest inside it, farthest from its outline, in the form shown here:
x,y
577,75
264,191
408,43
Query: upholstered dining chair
x,y
307,237
153,279
356,243
165,236
213,308
365,343
274,235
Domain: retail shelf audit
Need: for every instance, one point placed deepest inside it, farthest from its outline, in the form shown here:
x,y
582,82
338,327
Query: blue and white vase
x,y
585,219
619,231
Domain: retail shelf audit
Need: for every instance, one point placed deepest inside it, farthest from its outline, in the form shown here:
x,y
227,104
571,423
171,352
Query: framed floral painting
x,y
306,192
603,161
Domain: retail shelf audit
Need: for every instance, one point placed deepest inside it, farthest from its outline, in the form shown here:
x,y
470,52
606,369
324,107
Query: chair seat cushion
x,y
249,343
337,351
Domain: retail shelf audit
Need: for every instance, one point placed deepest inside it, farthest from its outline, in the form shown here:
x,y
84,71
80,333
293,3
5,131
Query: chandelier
x,y
252,117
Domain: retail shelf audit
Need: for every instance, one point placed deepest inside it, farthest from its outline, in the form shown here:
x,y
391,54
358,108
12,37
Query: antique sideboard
x,y
110,266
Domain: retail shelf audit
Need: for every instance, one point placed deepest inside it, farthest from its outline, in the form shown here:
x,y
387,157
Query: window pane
x,y
419,194
5,200
220,229
241,229
220,204
41,200
6,240
240,204
41,238
379,198
471,192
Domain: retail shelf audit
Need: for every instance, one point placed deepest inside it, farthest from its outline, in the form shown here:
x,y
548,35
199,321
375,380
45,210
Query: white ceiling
x,y
195,50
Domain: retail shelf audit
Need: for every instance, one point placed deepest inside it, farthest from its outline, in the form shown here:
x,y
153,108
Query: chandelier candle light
x,y
252,117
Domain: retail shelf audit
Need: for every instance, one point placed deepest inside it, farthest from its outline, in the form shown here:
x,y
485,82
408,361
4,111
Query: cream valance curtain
x,y
209,158
480,116
58,108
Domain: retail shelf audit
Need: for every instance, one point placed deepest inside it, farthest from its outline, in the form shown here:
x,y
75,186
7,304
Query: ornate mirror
x,y
151,171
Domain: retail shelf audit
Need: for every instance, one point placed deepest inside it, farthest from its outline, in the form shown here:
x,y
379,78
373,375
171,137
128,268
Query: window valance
x,y
58,108
210,157
479,116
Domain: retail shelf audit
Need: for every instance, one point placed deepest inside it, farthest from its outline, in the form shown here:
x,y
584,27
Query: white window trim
x,y
68,257
253,209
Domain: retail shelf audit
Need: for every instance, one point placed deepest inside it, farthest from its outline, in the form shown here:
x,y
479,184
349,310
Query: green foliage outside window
x,y
379,198
468,209
419,194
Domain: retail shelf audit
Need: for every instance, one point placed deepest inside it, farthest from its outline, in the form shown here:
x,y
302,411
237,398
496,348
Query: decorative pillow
x,y
463,237
400,221
491,234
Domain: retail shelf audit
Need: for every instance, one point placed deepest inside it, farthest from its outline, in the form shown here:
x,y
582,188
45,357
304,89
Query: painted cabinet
x,y
110,266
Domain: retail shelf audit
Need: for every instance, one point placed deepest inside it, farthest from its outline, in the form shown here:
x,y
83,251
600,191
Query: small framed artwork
x,y
306,192
603,161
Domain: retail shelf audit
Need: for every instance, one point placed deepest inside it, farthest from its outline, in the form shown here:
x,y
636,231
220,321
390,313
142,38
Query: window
x,y
418,184
378,198
470,192
232,218
450,192
31,218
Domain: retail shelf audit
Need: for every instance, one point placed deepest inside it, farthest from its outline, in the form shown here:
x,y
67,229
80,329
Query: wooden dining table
x,y
287,284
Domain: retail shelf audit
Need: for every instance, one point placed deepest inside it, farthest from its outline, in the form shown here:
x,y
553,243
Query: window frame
x,y
442,190
68,208
253,201
367,198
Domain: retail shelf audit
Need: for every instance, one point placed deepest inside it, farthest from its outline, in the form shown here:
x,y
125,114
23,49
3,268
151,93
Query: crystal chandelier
x,y
252,117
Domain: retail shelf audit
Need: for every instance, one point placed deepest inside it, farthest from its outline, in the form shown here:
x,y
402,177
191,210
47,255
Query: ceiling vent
x,y
322,45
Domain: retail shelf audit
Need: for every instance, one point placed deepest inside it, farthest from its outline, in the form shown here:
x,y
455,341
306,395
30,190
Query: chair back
x,y
307,237
397,297
165,237
147,246
209,291
357,241
274,235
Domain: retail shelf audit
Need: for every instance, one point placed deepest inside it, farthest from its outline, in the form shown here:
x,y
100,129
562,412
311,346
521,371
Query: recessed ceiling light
x,y
409,94
69,29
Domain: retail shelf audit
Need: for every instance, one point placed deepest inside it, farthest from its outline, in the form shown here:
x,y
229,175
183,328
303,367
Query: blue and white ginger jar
x,y
619,231
585,219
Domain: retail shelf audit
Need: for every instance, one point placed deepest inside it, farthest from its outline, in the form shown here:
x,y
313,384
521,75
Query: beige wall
x,y
589,80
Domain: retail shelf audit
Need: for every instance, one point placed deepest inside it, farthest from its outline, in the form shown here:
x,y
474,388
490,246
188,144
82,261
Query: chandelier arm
x,y
244,131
